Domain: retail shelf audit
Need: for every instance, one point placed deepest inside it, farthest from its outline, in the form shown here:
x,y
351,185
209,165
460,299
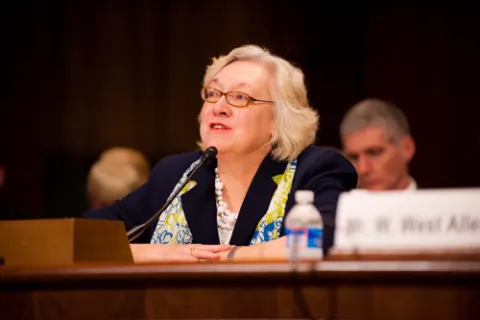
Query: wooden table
x,y
342,289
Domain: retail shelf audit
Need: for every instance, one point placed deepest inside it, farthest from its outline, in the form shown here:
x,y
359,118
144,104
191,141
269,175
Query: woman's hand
x,y
177,252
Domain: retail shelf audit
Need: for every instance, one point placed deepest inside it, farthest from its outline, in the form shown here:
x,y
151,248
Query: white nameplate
x,y
422,220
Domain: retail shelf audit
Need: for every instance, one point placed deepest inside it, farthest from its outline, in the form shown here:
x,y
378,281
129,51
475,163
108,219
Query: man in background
x,y
376,138
117,172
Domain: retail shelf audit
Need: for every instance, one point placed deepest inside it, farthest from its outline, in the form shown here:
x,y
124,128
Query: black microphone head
x,y
210,153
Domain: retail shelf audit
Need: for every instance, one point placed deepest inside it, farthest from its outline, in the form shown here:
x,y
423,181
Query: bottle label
x,y
301,238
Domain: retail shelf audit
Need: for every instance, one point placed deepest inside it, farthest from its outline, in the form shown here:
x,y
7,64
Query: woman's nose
x,y
222,108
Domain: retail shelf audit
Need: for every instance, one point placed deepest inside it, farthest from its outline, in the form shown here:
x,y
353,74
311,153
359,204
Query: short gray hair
x,y
372,111
296,123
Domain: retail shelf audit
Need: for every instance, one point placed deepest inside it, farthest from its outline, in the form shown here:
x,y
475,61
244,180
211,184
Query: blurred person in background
x,y
376,138
129,156
118,172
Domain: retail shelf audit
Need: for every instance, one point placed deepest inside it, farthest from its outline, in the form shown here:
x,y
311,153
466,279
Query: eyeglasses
x,y
234,98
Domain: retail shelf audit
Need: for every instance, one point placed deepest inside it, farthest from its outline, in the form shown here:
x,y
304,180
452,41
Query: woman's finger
x,y
214,247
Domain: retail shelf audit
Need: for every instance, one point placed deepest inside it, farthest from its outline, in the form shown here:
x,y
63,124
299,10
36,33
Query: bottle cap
x,y
304,196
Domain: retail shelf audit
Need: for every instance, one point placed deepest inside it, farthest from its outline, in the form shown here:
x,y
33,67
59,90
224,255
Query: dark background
x,y
83,76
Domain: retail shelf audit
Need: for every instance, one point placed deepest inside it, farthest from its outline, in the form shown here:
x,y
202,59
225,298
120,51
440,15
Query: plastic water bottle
x,y
304,229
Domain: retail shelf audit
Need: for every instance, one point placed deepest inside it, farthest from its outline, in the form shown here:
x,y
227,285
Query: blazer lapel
x,y
200,208
257,200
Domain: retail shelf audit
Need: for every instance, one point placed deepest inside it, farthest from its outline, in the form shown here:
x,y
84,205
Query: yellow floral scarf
x,y
172,227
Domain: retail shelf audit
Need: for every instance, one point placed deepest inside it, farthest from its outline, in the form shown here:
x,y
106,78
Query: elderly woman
x,y
256,113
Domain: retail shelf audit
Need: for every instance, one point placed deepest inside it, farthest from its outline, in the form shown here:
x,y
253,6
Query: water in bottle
x,y
304,229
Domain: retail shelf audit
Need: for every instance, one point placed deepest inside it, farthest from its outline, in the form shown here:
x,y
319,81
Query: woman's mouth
x,y
218,126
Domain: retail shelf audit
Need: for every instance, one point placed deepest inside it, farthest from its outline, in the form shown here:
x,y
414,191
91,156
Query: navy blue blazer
x,y
322,170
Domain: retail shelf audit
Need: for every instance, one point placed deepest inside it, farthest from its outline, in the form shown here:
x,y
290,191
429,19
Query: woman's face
x,y
234,130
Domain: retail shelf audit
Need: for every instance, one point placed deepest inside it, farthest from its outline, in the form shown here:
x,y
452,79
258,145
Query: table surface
x,y
418,270
394,288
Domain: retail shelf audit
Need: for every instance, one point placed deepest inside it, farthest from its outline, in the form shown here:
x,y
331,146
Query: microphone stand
x,y
137,231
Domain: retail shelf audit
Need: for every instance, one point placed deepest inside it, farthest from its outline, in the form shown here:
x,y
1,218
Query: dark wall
x,y
427,61
83,77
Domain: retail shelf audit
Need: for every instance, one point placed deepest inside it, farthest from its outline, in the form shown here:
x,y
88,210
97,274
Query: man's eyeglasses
x,y
235,98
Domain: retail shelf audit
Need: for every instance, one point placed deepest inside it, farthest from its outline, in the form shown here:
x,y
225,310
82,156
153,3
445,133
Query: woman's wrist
x,y
231,253
239,253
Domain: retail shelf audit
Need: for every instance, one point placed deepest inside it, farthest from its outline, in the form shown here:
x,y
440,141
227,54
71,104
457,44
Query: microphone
x,y
209,154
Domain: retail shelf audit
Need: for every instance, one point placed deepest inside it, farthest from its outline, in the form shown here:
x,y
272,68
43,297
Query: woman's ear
x,y
272,128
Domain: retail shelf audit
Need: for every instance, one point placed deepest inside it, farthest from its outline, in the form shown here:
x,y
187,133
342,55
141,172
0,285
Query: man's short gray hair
x,y
377,112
